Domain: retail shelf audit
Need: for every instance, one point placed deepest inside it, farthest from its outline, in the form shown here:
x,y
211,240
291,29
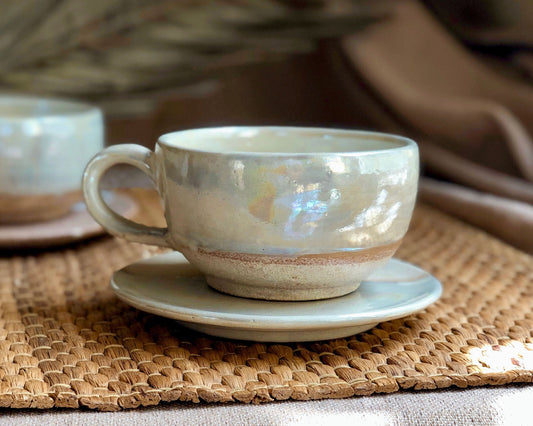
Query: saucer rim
x,y
90,229
263,322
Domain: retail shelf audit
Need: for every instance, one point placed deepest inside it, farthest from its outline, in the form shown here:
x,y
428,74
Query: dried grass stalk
x,y
103,48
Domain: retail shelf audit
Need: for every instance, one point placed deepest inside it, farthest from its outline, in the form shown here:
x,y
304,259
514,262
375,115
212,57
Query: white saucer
x,y
168,285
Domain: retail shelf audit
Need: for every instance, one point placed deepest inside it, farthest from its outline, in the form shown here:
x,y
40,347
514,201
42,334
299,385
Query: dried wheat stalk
x,y
100,48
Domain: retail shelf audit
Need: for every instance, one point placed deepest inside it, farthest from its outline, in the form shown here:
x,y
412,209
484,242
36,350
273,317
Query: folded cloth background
x,y
474,123
487,24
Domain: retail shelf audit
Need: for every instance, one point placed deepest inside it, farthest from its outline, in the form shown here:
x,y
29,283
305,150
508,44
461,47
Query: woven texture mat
x,y
66,341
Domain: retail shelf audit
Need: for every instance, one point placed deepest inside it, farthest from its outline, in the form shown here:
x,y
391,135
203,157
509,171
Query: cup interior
x,y
283,140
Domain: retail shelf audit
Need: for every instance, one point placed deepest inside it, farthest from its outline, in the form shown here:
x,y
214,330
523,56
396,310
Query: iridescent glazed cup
x,y
276,213
45,145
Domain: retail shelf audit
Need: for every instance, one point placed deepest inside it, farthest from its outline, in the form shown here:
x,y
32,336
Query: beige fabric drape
x,y
473,123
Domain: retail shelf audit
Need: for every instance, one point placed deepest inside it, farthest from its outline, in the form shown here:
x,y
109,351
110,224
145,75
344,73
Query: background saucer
x,y
168,285
76,225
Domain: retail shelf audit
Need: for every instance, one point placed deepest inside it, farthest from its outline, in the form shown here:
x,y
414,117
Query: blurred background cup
x,y
44,147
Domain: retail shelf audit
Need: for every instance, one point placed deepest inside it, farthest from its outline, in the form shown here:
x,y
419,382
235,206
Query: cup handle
x,y
137,156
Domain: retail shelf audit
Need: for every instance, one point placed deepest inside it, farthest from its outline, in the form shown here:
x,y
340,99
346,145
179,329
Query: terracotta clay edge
x,y
342,257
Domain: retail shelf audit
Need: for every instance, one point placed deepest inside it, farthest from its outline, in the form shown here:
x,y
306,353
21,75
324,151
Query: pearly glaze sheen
x,y
272,212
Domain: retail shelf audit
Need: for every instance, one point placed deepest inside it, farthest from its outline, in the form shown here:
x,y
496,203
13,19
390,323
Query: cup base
x,y
289,278
239,289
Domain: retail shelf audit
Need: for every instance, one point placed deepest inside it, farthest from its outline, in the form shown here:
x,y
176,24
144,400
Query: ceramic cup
x,y
272,212
44,147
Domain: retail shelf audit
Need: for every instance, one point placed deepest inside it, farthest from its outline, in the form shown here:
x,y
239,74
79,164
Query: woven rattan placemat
x,y
66,341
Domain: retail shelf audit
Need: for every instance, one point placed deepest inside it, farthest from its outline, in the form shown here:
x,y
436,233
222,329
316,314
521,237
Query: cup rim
x,y
406,143
58,108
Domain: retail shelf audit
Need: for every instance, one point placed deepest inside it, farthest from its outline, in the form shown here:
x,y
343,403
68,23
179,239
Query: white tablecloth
x,y
503,405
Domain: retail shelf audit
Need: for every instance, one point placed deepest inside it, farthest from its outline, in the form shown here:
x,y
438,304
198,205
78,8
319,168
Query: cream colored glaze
x,y
218,219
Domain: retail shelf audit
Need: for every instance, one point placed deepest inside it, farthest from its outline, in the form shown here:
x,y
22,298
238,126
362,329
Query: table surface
x,y
484,406
480,406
